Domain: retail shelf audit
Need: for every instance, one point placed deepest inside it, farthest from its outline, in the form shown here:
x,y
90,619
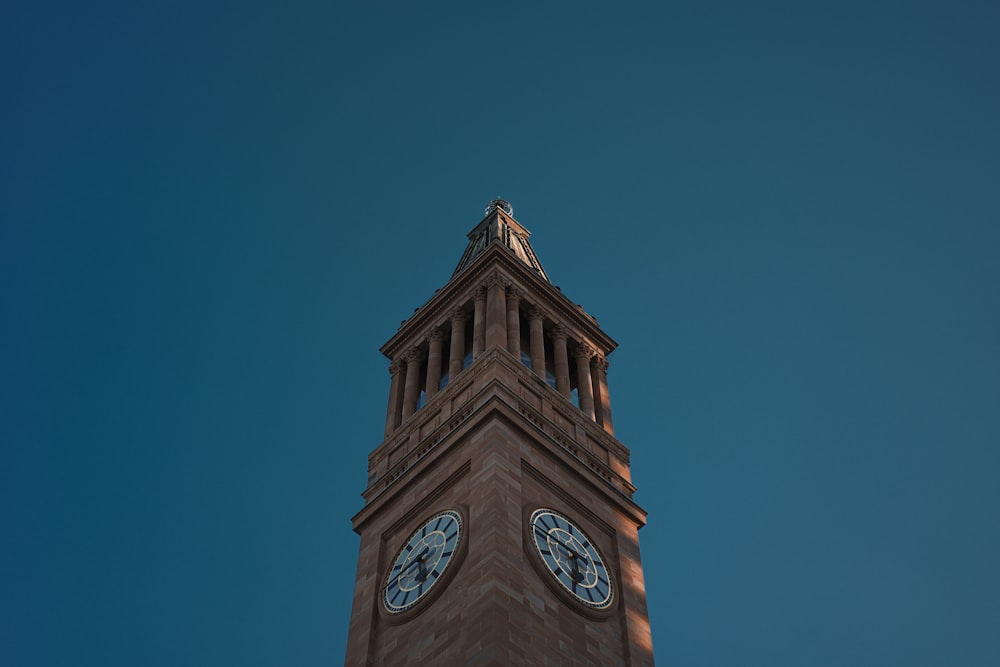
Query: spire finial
x,y
501,204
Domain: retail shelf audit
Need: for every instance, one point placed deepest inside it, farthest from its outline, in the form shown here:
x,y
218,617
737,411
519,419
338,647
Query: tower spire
x,y
499,226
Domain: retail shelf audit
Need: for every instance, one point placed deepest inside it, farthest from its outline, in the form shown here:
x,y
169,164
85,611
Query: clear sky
x,y
212,214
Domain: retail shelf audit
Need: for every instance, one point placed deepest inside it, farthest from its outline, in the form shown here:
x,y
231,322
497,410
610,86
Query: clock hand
x,y
572,552
420,563
565,545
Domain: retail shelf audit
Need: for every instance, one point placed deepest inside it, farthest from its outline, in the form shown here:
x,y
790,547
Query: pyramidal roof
x,y
499,226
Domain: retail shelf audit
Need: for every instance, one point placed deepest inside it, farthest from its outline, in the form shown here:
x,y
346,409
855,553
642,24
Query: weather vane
x,y
501,204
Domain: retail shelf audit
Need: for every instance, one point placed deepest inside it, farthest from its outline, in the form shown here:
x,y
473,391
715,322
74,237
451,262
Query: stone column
x,y
411,392
584,385
537,342
434,339
514,321
457,358
561,359
496,311
602,401
392,413
479,324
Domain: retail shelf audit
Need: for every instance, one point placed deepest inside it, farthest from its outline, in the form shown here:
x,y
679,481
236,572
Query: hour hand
x,y
570,550
551,536
420,564
419,559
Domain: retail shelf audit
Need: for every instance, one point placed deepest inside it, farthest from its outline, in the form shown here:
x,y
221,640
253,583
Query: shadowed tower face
x,y
499,526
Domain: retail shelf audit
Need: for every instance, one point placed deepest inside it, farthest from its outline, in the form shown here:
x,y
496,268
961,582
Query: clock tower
x,y
499,526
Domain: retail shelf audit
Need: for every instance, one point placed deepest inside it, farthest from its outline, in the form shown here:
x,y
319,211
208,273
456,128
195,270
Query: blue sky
x,y
213,214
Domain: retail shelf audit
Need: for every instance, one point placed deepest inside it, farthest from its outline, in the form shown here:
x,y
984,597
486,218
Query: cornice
x,y
541,293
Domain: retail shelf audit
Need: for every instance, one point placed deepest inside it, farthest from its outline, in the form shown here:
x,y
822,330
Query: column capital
x,y
496,280
481,293
584,351
396,365
559,332
535,313
435,335
513,294
600,362
457,315
415,354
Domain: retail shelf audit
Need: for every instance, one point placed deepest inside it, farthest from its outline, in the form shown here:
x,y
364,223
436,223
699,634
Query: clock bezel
x,y
551,579
440,584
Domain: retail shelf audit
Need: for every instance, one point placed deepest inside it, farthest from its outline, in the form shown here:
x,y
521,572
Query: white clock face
x,y
421,562
571,558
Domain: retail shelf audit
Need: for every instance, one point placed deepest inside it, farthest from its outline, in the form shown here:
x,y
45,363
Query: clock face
x,y
571,558
421,562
